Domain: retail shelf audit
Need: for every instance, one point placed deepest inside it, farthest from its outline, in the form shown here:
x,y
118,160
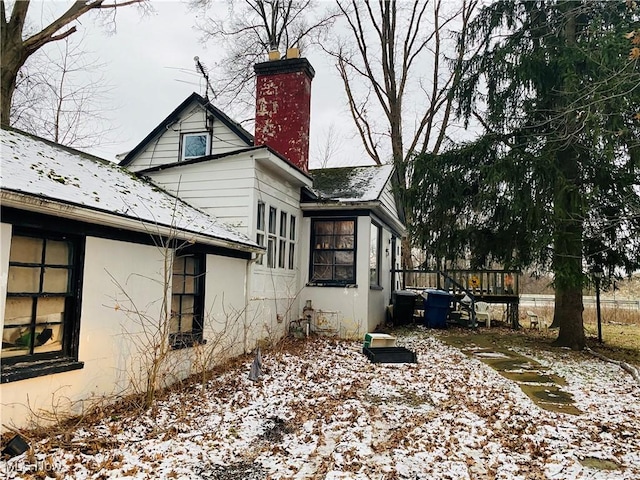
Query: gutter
x,y
59,209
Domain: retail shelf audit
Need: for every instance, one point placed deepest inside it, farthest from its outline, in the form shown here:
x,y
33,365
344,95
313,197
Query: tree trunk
x,y
567,261
13,57
568,315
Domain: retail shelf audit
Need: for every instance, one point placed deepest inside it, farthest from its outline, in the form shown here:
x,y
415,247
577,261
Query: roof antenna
x,y
202,70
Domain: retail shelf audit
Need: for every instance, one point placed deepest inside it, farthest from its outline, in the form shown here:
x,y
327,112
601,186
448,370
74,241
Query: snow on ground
x,y
324,412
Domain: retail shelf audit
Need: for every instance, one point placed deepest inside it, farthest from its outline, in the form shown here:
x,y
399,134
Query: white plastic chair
x,y
483,314
534,321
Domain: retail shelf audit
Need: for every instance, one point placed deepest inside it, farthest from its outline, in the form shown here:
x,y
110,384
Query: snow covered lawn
x,y
321,410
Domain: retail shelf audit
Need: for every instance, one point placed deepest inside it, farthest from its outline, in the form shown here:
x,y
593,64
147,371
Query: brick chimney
x,y
283,107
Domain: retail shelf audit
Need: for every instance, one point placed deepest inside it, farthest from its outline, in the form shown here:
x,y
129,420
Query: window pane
x,y
273,218
283,224
323,258
56,280
324,242
190,265
292,228
178,265
186,323
15,341
344,258
323,228
57,253
344,241
260,241
50,309
271,252
17,311
175,305
374,255
177,284
48,339
261,210
23,280
322,272
174,323
189,285
282,250
195,145
291,256
26,250
187,304
345,227
344,273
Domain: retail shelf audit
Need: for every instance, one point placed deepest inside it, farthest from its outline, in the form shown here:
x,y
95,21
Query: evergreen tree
x,y
554,179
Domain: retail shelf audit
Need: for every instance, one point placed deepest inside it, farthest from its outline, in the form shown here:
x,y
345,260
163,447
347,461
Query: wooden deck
x,y
490,286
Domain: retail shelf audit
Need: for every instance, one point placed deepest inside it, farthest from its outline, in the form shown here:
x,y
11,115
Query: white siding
x,y
165,148
274,291
224,139
105,346
388,200
227,328
348,306
110,332
222,187
230,188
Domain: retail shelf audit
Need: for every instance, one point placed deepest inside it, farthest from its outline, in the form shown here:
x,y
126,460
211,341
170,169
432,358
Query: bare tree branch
x,y
249,30
16,49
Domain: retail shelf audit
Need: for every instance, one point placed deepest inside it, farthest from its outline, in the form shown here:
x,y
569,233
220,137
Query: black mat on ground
x,y
390,355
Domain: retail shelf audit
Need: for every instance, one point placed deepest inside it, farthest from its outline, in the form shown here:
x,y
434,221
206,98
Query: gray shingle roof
x,y
351,184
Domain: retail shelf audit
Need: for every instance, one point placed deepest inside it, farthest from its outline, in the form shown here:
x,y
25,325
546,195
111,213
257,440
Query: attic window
x,y
195,145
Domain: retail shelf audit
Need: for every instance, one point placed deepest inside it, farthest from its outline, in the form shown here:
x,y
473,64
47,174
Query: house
x,y
232,231
85,249
331,235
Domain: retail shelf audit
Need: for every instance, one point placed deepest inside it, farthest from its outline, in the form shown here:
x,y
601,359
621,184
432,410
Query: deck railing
x,y
481,283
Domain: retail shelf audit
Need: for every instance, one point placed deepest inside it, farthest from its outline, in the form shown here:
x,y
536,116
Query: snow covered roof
x,y
351,184
37,167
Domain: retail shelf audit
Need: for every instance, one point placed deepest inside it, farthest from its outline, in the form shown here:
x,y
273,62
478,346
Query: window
x,y
282,241
271,241
42,312
195,145
187,300
292,240
260,229
333,247
374,255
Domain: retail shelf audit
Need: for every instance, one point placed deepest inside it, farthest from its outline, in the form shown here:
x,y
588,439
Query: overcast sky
x,y
151,68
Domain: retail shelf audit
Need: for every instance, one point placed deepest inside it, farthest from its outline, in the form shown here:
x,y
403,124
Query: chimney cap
x,y
287,65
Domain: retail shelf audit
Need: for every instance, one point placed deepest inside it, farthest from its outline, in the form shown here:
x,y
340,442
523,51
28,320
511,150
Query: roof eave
x,y
375,206
274,161
32,203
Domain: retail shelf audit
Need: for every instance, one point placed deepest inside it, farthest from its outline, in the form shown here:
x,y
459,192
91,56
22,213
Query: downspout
x,y
393,267
247,298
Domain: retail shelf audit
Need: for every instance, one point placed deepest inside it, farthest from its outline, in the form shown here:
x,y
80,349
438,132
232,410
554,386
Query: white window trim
x,y
195,134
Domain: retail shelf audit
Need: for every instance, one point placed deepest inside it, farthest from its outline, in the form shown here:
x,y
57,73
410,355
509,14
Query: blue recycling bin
x,y
436,308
